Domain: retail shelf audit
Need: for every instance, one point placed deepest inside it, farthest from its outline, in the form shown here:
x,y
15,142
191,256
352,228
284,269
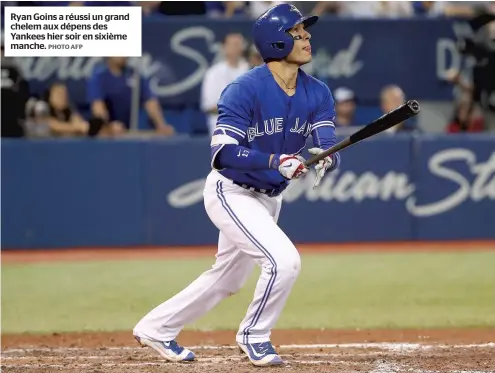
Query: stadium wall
x,y
83,193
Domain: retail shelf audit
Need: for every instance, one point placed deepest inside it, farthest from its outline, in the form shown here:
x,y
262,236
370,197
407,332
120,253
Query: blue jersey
x,y
257,117
116,92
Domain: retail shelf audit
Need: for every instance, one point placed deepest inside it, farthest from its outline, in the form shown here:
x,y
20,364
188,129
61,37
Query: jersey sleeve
x,y
235,109
323,126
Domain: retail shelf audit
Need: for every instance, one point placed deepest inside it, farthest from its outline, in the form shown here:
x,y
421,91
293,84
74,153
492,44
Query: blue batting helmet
x,y
270,30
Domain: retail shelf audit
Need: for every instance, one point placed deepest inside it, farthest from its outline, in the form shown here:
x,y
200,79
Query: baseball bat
x,y
386,121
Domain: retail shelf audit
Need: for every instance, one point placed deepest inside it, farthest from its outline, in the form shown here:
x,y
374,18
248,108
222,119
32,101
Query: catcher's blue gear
x,y
270,30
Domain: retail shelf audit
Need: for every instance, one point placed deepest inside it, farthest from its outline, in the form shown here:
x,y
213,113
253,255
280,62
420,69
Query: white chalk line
x,y
380,346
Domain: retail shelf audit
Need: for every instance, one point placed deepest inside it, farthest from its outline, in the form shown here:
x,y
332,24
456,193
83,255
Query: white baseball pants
x,y
249,234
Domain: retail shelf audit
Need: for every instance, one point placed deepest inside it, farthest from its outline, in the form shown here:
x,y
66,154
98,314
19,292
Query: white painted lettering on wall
x,y
348,186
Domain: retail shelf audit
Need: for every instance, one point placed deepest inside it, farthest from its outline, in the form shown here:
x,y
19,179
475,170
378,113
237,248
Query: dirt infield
x,y
374,351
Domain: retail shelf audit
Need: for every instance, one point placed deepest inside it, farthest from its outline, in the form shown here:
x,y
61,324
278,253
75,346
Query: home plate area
x,y
352,357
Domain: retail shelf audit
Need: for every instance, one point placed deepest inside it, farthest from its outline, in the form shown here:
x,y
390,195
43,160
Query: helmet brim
x,y
309,21
306,21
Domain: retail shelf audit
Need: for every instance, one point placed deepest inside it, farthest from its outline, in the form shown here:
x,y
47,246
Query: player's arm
x,y
234,116
323,133
235,109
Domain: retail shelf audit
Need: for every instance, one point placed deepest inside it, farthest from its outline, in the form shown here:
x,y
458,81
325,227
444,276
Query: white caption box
x,y
51,31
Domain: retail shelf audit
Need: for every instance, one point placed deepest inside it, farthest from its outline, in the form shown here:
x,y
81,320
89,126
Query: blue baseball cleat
x,y
169,350
261,354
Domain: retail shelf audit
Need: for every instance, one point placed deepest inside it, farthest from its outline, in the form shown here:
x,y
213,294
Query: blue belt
x,y
268,192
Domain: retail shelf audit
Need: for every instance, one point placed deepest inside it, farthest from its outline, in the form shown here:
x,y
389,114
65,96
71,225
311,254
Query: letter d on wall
x,y
447,52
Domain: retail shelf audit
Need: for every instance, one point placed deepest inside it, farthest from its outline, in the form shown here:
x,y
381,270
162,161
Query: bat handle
x,y
334,149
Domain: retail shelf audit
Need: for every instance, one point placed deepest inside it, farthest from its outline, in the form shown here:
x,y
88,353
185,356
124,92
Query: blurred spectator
x,y
480,48
221,74
449,8
15,94
110,96
308,7
429,8
455,77
345,107
36,114
467,117
76,3
392,97
257,8
183,8
366,9
225,9
254,57
149,8
103,3
61,119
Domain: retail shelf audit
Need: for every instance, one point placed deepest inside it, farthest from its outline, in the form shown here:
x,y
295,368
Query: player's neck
x,y
284,71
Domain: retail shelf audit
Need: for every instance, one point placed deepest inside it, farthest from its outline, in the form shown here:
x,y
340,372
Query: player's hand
x,y
289,166
322,166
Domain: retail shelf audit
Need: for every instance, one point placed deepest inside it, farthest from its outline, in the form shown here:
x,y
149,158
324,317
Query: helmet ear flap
x,y
282,47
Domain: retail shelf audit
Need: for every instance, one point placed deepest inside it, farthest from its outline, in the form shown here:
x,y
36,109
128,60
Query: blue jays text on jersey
x,y
257,118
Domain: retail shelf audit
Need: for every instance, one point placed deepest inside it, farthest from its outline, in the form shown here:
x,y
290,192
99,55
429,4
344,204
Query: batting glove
x,y
289,166
324,165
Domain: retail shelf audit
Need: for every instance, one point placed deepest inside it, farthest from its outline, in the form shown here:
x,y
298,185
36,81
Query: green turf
x,y
333,291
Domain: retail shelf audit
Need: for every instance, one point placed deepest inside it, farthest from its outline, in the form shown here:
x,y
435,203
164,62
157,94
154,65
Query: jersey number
x,y
243,153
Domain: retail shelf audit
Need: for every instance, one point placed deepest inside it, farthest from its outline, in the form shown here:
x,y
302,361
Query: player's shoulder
x,y
252,77
248,84
314,84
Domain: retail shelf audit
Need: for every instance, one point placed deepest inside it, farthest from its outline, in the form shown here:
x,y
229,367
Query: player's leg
x,y
256,325
249,221
159,328
230,271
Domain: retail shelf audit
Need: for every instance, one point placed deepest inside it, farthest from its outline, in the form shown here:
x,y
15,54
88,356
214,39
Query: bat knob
x,y
414,106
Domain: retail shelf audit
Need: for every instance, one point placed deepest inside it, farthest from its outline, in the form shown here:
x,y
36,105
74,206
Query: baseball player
x,y
265,117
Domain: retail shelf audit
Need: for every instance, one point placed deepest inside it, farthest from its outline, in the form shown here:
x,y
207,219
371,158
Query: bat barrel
x,y
403,112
